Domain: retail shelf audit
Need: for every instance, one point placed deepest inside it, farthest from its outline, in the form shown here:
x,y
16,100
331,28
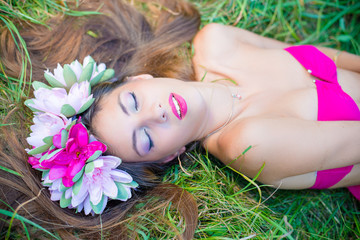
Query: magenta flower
x,y
34,162
70,160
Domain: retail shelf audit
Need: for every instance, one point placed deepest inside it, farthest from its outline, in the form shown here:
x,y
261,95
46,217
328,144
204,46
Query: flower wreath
x,y
72,162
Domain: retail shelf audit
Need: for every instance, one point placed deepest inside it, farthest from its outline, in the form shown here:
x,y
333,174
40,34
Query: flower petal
x,y
57,171
68,193
87,205
95,194
80,133
120,176
67,181
57,140
80,197
55,195
110,188
111,161
74,167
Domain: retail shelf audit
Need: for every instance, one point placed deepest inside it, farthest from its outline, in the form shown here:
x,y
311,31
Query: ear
x,y
137,77
174,155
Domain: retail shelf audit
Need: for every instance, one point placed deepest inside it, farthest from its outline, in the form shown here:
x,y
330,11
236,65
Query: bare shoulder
x,y
214,40
287,146
230,143
223,37
218,49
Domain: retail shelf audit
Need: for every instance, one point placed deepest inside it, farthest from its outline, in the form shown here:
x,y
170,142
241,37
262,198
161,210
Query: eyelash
x,y
151,143
135,100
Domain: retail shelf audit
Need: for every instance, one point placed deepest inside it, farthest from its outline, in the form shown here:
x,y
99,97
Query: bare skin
x,y
278,111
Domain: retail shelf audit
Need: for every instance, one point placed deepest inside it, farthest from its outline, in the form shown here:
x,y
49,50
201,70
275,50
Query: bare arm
x,y
289,147
230,37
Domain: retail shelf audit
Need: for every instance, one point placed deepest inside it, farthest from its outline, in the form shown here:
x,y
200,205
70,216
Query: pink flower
x,y
79,95
49,100
70,160
45,124
102,181
58,102
58,75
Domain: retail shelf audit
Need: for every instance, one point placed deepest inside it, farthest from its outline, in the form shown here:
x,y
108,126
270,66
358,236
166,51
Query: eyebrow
x,y
134,143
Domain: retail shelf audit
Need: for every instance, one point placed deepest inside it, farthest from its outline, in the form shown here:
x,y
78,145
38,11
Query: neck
x,y
222,106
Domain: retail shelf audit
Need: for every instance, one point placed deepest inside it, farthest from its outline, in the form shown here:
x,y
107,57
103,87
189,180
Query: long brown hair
x,y
124,39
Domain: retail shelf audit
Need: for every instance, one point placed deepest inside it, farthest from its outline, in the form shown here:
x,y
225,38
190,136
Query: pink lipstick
x,y
178,105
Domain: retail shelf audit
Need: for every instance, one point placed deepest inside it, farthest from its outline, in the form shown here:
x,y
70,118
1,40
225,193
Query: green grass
x,y
230,207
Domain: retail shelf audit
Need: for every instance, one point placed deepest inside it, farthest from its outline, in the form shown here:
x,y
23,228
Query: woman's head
x,y
146,119
124,40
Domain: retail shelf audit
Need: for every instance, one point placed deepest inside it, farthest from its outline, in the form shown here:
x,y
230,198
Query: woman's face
x,y
149,119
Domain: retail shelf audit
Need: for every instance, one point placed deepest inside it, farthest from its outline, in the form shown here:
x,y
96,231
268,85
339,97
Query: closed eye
x,y
135,100
151,143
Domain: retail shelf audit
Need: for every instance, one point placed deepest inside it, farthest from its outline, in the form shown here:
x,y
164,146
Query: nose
x,y
155,114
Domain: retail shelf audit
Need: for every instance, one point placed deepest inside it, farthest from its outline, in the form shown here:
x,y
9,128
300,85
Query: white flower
x,y
54,188
67,76
45,124
49,100
79,95
77,68
101,183
58,75
57,101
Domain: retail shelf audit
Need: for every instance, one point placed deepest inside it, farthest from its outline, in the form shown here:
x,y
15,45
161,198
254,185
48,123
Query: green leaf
x,y
69,76
31,101
94,156
77,186
68,110
64,137
97,78
89,167
122,193
92,34
10,171
86,105
53,81
39,150
108,74
48,156
21,218
44,173
63,188
344,38
36,85
87,72
43,157
64,202
71,124
97,208
132,184
48,140
78,175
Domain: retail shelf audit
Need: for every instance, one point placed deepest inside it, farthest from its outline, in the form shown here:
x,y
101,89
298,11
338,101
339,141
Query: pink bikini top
x,y
333,103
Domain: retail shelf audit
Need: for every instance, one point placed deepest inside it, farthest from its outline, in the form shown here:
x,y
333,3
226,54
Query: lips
x,y
178,105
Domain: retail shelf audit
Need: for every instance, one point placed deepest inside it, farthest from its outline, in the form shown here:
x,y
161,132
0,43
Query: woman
x,y
124,40
149,120
272,109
